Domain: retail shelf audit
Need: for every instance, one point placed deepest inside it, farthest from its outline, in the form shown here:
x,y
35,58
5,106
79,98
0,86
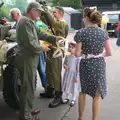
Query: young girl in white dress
x,y
71,77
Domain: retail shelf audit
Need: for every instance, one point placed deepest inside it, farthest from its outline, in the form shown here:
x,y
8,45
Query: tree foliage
x,y
4,12
21,4
77,4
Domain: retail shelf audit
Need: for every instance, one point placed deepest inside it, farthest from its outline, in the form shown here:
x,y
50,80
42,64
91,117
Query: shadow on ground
x,y
5,112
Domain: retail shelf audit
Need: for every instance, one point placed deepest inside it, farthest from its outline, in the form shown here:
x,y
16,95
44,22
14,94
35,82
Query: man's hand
x,y
58,38
45,48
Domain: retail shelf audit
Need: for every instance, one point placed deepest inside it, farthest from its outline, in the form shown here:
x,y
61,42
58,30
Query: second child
x,y
71,77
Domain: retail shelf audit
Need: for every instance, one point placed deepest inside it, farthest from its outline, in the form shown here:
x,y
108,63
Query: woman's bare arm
x,y
78,51
108,49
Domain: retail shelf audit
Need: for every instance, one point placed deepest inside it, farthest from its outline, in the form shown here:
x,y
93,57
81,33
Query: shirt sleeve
x,y
66,30
46,37
106,36
55,23
79,36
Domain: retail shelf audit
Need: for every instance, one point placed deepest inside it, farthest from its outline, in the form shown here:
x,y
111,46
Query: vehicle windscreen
x,y
113,18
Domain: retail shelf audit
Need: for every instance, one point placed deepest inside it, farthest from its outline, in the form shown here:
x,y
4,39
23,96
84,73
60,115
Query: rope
x,y
59,51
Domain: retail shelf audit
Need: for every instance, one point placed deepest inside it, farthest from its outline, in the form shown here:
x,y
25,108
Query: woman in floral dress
x,y
91,42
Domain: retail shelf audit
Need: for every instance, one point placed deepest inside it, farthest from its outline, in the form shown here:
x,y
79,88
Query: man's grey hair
x,y
15,10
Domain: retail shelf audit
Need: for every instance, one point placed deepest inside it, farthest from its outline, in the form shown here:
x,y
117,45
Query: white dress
x,y
71,74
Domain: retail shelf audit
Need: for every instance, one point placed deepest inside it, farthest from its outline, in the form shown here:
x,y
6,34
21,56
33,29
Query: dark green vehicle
x,y
10,82
9,74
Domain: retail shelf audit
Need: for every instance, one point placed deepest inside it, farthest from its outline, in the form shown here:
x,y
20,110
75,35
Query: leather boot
x,y
49,93
57,100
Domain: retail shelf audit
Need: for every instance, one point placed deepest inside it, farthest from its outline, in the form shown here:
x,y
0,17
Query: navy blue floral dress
x,y
93,70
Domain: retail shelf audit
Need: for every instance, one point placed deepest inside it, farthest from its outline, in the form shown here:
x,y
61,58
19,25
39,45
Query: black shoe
x,y
56,102
49,93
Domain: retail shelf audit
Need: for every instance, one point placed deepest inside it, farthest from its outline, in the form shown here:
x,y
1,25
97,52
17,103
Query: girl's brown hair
x,y
93,15
72,44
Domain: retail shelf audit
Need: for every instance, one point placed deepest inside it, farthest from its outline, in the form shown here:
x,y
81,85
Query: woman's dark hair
x,y
93,15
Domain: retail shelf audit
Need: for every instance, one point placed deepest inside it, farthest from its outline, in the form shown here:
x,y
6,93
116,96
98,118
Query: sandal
x,y
35,111
30,118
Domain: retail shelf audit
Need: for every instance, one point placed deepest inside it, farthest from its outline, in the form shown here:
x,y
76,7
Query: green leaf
x,y
77,4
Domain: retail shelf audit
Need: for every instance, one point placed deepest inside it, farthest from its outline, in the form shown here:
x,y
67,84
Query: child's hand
x,y
66,67
76,81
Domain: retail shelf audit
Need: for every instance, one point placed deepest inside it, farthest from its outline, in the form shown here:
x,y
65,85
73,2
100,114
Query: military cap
x,y
35,5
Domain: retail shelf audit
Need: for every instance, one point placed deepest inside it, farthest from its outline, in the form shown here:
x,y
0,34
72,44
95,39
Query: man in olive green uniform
x,y
54,65
28,36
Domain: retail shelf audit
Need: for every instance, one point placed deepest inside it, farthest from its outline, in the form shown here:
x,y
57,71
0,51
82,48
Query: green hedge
x,y
4,12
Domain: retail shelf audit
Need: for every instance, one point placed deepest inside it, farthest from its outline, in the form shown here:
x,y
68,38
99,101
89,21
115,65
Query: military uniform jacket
x,y
60,27
28,36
